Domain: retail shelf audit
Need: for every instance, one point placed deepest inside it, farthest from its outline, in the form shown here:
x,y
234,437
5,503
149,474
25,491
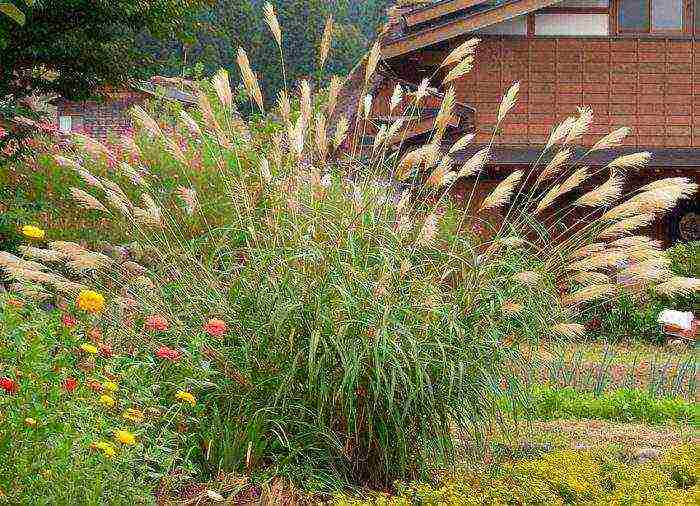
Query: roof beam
x,y
429,12
461,26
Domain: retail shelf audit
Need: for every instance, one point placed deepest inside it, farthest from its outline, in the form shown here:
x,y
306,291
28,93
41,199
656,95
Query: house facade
x,y
636,63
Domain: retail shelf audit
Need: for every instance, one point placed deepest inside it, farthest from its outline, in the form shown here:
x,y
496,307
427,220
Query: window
x,y
65,124
647,16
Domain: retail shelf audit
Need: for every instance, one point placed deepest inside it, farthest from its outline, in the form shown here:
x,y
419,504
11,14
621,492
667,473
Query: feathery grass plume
x,y
636,241
396,97
341,130
191,125
333,93
249,80
222,86
265,173
475,163
63,161
555,164
611,140
669,182
86,200
273,23
210,120
502,193
626,226
173,148
439,176
30,275
89,261
422,90
444,114
321,141
88,178
297,137
529,278
678,286
29,291
573,181
132,174
8,260
588,294
71,249
394,129
560,132
379,138
581,125
284,106
188,196
604,194
305,101
141,117
462,143
587,250
652,201
428,231
326,40
590,278
367,106
632,161
123,206
458,53
372,60
569,330
651,269
510,308
404,199
509,100
605,259
43,255
462,68
512,241
92,146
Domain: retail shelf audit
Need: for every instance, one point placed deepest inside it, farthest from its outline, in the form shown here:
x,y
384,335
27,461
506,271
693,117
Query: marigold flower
x,y
32,232
15,303
30,422
215,327
125,437
133,415
181,395
88,348
68,321
90,301
8,385
110,386
107,401
107,448
168,353
156,323
70,384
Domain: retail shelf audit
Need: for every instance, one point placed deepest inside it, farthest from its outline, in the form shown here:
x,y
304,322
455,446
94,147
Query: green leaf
x,y
12,12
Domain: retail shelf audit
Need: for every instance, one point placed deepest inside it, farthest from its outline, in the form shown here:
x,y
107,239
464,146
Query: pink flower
x,y
156,322
105,351
69,321
215,327
168,353
70,384
3,132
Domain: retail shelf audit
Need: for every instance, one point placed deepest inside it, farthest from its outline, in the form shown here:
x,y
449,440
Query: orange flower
x,y
156,322
215,327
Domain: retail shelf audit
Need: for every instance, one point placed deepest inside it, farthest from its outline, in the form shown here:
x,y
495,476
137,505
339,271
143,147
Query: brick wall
x,y
101,119
649,85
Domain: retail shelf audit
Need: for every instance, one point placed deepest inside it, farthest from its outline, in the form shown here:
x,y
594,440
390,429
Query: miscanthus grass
x,y
367,321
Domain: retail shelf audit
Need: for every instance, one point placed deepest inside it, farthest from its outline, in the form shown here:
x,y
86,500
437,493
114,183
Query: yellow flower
x,y
88,348
125,437
30,422
133,415
107,401
107,448
90,301
110,386
181,395
32,232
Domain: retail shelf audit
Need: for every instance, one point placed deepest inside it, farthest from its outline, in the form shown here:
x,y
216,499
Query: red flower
x,y
168,353
215,327
94,385
69,321
95,335
8,385
105,351
70,384
156,322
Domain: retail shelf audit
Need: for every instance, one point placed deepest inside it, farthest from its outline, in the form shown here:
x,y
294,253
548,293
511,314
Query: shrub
x,y
361,324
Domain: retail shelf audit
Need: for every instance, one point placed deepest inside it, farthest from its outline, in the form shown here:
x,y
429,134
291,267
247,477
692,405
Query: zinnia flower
x,y
125,437
70,384
156,322
8,385
133,415
95,334
88,348
215,327
32,232
90,301
68,321
181,395
107,448
168,353
110,386
107,401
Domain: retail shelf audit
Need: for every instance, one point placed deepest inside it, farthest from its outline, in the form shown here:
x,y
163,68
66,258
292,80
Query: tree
x,y
72,47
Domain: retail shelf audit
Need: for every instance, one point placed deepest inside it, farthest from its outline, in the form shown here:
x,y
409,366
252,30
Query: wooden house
x,y
636,63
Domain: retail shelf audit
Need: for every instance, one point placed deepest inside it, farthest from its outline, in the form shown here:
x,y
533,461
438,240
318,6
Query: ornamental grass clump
x,y
338,312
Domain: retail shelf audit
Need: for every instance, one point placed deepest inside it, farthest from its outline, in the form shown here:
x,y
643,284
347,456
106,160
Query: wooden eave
x,y
438,10
411,41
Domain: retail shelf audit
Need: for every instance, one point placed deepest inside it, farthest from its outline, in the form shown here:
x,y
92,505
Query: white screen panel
x,y
515,26
571,24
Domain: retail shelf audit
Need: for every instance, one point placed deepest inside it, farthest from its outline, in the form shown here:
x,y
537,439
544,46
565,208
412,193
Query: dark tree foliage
x,y
71,47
